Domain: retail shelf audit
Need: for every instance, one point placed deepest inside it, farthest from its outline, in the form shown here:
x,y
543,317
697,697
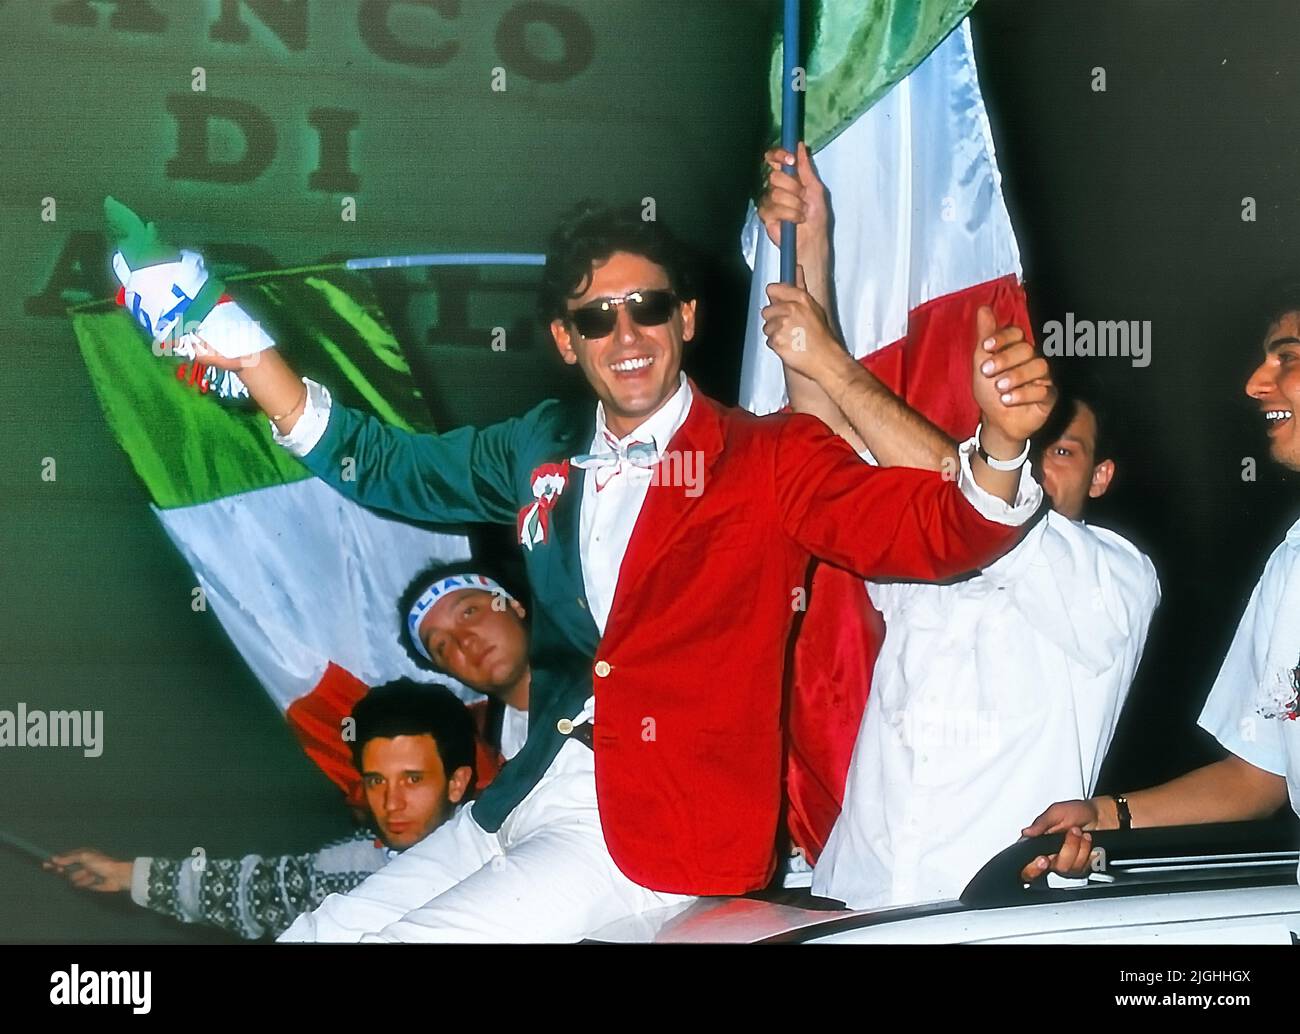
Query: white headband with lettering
x,y
435,592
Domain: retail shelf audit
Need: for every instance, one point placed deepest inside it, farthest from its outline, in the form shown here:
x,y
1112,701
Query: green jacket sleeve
x,y
463,476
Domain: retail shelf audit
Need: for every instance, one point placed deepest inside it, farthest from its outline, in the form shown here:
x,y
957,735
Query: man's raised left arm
x,y
1010,382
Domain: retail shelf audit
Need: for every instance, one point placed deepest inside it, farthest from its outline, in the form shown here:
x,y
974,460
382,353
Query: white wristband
x,y
1004,465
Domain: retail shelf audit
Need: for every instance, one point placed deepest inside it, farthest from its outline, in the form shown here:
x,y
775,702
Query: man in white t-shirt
x,y
459,620
1253,708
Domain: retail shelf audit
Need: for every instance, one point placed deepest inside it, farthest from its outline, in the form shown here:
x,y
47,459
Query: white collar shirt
x,y
514,731
610,508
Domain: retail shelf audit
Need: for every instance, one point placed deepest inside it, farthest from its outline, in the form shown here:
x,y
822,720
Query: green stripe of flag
x,y
188,448
859,49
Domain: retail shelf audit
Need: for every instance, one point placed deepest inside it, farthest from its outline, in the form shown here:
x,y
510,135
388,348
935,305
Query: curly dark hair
x,y
591,232
1278,300
405,707
1076,388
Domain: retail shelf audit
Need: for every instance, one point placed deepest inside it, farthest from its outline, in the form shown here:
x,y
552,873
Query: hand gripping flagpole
x,y
789,126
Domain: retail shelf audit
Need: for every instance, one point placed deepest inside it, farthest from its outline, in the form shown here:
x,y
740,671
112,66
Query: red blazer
x,y
688,677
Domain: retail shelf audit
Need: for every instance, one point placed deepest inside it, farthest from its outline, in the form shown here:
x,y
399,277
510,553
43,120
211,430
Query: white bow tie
x,y
609,465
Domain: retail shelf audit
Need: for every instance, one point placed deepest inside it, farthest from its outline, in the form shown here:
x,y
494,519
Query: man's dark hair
x,y
591,232
1279,300
1075,389
408,708
436,573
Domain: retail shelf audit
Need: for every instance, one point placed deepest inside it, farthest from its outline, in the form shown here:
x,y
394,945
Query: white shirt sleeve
x,y
310,426
1028,493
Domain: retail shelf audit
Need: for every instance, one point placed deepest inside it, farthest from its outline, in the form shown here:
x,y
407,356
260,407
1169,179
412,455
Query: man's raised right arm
x,y
462,476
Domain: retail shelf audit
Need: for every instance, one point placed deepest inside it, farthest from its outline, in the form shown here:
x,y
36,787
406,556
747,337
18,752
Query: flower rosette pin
x,y
547,482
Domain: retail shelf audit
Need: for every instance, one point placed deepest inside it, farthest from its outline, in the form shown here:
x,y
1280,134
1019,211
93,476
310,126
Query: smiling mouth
x,y
633,365
1276,418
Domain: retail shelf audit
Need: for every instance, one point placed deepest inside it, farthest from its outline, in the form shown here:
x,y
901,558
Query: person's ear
x,y
458,784
563,341
688,320
1102,474
518,608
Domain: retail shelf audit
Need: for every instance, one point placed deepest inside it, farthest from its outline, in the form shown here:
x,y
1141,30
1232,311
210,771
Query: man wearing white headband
x,y
462,622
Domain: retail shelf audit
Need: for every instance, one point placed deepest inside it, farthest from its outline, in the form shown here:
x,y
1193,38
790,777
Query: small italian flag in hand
x,y
177,302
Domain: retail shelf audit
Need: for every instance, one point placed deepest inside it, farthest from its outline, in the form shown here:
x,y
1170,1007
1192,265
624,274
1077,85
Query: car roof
x,y
1242,875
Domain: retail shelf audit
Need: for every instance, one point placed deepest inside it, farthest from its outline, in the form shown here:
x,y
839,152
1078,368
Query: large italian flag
x,y
922,238
304,581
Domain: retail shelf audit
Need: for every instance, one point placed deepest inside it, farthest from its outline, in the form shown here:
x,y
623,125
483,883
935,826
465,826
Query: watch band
x,y
1122,813
996,464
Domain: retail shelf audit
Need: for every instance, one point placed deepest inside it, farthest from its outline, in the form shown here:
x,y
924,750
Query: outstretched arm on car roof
x,y
1231,790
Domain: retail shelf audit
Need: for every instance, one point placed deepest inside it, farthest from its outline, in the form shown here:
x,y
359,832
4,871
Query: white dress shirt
x,y
991,698
1254,706
609,512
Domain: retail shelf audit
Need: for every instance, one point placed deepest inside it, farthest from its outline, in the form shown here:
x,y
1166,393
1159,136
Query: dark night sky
x,y
1128,205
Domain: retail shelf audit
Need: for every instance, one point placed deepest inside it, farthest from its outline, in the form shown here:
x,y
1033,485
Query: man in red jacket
x,y
667,540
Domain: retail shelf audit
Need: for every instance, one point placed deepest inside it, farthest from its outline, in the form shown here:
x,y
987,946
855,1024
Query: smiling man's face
x,y
1275,387
634,368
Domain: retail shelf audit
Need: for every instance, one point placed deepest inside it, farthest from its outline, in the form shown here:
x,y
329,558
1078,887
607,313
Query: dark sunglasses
x,y
647,309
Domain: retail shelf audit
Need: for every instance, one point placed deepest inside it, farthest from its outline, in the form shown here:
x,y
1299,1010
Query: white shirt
x,y
514,731
1253,708
991,699
609,512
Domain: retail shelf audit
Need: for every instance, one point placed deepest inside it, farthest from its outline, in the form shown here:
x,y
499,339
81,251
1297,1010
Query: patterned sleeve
x,y
252,897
